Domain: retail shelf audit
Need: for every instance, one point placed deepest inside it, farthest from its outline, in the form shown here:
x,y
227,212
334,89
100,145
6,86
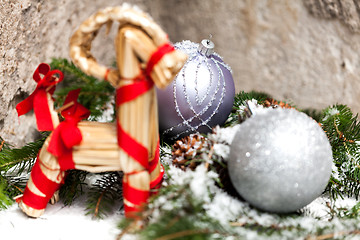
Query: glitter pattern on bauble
x,y
280,160
200,97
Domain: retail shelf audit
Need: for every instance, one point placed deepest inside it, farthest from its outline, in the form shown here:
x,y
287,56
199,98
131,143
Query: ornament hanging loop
x,y
209,40
206,47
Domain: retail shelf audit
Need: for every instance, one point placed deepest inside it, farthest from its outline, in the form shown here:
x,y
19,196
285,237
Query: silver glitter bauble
x,y
200,97
280,160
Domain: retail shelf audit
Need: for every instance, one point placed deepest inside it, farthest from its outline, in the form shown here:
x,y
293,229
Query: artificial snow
x,y
222,139
224,208
223,135
59,223
201,181
166,155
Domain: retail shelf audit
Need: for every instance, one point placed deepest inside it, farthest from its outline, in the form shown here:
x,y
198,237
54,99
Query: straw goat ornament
x,y
144,59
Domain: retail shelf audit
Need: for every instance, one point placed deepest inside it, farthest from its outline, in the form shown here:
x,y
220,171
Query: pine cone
x,y
274,104
187,151
184,151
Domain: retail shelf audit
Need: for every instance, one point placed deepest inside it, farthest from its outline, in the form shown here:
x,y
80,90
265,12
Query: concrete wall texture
x,y
305,51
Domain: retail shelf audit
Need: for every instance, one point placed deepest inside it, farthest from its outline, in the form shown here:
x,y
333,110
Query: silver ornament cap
x,y
206,47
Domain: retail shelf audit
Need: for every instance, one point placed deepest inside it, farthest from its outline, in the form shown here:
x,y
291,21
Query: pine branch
x,y
185,220
343,212
343,131
104,194
241,98
13,163
73,186
187,234
240,101
20,159
189,231
5,200
354,212
333,235
97,96
10,187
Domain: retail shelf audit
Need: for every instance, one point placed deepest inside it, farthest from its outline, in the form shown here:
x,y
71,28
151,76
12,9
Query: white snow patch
x,y
331,112
58,222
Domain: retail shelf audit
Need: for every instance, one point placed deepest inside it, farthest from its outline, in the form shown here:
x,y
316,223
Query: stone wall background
x,y
301,51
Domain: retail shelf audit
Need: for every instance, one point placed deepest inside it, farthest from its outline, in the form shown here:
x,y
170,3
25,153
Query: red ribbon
x,y
67,134
156,183
41,182
32,200
130,92
133,212
136,197
154,162
143,82
133,195
157,56
131,146
38,99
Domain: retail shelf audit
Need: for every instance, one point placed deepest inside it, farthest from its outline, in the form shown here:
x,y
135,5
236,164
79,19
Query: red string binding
x,y
154,162
106,74
156,183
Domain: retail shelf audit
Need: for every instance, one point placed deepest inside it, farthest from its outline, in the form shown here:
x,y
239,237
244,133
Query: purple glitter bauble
x,y
200,97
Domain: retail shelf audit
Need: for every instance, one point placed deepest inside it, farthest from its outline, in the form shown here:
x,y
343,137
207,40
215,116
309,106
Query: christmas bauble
x,y
200,97
280,160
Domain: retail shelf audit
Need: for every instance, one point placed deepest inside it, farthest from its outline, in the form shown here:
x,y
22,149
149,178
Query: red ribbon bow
x,y
67,134
38,99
